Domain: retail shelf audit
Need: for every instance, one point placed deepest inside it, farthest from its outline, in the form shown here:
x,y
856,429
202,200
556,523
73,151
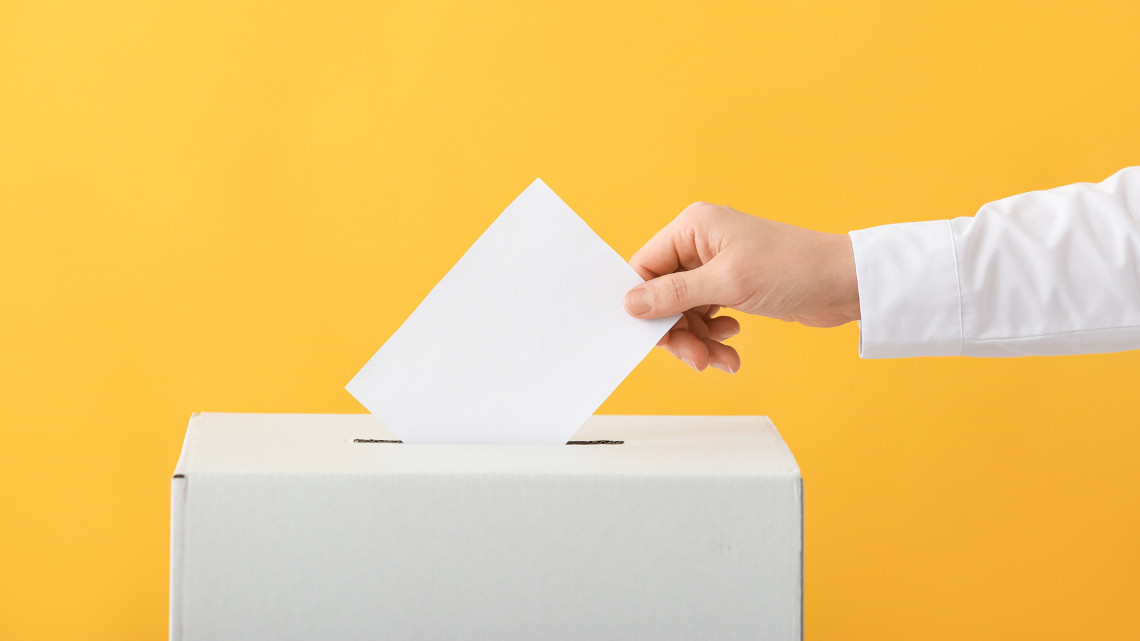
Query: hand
x,y
713,256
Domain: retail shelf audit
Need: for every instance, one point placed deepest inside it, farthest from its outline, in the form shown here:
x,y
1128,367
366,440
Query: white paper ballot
x,y
520,342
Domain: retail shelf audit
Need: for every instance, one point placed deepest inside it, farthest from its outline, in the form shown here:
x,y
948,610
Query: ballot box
x,y
292,526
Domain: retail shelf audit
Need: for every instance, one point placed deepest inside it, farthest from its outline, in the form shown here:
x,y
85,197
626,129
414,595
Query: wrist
x,y
842,279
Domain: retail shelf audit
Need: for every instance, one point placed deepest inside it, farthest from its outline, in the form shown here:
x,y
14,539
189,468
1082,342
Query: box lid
x,y
331,443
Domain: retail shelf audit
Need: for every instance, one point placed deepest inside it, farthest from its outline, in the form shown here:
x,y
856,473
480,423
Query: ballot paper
x,y
520,342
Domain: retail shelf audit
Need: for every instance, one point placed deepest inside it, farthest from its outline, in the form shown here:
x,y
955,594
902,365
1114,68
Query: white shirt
x,y
1047,272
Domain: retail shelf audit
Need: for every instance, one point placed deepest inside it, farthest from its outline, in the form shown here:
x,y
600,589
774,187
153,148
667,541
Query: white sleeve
x,y
1042,273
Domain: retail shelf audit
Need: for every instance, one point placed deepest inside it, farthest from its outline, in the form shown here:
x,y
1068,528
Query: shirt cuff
x,y
909,300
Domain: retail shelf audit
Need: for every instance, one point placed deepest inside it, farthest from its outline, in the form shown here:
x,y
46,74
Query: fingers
x,y
680,281
700,354
696,340
674,293
723,357
698,322
686,346
661,255
658,256
722,327
675,247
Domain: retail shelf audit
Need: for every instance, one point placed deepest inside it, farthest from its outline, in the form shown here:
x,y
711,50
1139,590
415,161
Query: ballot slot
x,y
386,441
376,440
603,442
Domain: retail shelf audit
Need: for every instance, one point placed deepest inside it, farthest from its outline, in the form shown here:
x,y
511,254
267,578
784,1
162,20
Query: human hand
x,y
713,256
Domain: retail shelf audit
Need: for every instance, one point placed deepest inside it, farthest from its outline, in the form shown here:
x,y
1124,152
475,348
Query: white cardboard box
x,y
284,527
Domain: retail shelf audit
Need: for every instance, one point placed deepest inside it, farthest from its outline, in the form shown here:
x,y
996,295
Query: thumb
x,y
672,294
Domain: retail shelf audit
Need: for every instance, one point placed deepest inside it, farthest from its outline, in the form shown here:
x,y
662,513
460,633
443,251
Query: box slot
x,y
394,442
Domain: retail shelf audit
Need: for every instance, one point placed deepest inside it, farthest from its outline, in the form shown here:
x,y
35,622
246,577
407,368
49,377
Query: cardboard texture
x,y
283,527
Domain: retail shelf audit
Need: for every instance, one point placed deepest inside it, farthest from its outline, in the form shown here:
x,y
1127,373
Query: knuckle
x,y
702,214
675,290
699,210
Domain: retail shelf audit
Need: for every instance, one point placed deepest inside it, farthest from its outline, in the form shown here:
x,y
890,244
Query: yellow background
x,y
229,206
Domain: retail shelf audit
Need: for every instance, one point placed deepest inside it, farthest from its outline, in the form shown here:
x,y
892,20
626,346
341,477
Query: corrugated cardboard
x,y
308,527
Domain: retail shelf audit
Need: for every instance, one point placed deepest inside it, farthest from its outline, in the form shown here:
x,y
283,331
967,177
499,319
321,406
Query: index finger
x,y
667,251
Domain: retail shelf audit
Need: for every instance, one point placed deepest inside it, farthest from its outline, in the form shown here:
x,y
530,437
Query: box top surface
x,y
326,443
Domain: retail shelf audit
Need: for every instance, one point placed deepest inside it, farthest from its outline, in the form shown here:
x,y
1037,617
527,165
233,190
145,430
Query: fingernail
x,y
690,363
637,300
723,367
